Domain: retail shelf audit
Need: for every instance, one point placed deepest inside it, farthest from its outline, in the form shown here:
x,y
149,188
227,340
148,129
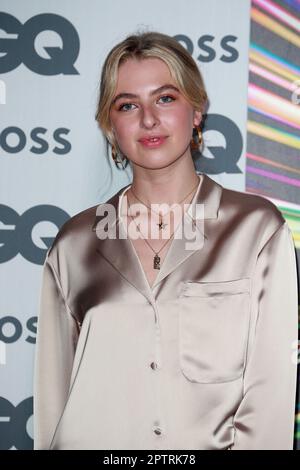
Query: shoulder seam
x,y
284,223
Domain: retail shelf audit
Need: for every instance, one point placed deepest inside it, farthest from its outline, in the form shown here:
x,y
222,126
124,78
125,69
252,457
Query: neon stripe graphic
x,y
273,134
270,103
267,161
273,99
278,12
274,176
272,77
275,27
274,62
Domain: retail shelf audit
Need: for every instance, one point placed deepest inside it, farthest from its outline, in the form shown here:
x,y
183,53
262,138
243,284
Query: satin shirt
x,y
203,359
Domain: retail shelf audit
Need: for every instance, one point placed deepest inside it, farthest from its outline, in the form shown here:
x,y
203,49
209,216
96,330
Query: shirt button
x,y
153,365
157,431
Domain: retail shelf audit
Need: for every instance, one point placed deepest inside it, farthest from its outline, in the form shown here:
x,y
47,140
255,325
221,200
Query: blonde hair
x,y
150,44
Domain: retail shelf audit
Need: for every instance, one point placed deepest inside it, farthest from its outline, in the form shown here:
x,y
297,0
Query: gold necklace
x,y
161,224
156,258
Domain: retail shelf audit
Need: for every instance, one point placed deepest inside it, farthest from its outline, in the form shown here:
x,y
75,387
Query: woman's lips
x,y
153,143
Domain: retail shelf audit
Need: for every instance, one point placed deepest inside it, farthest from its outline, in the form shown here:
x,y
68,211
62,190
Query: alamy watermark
x,y
178,222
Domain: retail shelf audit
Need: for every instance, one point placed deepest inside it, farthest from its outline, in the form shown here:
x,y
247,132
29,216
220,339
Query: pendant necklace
x,y
161,224
156,258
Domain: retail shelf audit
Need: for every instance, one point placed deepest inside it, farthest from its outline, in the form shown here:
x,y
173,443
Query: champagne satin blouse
x,y
202,360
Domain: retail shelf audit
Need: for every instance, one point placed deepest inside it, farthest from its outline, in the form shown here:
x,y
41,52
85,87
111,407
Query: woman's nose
x,y
149,117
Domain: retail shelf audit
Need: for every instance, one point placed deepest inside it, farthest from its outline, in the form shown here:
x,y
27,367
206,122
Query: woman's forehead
x,y
135,72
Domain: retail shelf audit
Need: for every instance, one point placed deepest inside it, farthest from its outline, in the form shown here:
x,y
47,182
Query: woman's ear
x,y
197,118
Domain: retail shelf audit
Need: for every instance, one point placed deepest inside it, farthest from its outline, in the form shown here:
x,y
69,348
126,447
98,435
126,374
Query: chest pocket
x,y
213,329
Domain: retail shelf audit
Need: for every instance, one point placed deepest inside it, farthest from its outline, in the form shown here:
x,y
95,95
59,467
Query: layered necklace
x,y
161,226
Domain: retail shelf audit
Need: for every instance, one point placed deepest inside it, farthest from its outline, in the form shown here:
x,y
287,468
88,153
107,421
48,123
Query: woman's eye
x,y
126,106
167,96
122,107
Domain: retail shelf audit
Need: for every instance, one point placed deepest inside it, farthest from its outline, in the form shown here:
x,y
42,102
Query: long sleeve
x,y
265,416
57,336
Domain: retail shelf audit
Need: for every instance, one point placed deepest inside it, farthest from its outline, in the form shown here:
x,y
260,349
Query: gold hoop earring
x,y
195,144
115,156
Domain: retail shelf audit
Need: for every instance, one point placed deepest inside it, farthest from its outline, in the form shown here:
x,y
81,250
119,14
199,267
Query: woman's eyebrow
x,y
154,92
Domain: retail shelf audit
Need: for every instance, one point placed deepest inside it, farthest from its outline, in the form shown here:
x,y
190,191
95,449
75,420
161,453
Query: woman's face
x,y
141,108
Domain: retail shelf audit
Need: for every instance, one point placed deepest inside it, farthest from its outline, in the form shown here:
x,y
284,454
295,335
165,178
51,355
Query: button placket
x,y
155,365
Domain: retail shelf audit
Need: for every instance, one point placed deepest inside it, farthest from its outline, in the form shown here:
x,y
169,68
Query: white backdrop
x,y
52,154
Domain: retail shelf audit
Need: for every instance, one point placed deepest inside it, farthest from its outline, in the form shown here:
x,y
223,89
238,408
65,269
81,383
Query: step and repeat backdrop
x,y
53,157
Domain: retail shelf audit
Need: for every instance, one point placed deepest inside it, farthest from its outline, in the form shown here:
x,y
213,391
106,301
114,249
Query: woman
x,y
146,341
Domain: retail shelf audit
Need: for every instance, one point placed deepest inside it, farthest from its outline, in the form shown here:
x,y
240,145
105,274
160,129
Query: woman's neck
x,y
164,189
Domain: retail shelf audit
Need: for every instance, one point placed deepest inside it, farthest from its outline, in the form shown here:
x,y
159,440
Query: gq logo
x,y
16,231
222,158
21,49
13,424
